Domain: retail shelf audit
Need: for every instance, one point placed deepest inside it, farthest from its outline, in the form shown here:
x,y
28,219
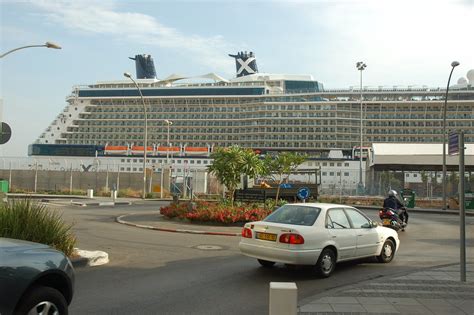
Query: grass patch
x,y
31,221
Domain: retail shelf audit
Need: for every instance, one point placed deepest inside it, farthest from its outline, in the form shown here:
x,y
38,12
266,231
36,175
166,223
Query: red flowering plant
x,y
223,213
174,210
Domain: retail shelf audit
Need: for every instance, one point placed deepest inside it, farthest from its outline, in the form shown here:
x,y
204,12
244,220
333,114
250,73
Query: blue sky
x,y
404,42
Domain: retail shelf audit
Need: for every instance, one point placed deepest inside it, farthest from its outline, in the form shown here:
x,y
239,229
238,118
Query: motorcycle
x,y
391,219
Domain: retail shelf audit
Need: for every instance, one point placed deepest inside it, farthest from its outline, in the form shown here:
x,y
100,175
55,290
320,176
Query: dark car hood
x,y
13,245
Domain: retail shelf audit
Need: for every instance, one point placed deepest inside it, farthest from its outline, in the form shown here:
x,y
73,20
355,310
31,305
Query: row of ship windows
x,y
323,143
227,143
220,116
229,105
381,112
161,161
332,115
282,133
183,131
179,170
212,123
140,169
206,162
281,136
184,126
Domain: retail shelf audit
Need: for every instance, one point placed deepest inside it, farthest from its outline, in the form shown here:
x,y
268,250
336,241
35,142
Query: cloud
x,y
407,42
103,18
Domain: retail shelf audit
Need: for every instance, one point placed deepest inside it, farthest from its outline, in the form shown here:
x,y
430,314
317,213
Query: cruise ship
x,y
101,129
263,111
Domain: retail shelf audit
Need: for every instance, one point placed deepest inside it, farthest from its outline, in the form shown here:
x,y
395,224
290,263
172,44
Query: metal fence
x,y
160,182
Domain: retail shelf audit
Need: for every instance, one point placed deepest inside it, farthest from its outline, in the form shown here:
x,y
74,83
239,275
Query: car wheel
x,y
42,300
266,263
387,253
326,263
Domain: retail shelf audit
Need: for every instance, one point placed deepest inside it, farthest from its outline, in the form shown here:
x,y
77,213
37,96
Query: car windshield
x,y
294,214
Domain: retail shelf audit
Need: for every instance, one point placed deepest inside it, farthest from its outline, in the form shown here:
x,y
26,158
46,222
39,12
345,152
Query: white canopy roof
x,y
272,77
175,77
417,155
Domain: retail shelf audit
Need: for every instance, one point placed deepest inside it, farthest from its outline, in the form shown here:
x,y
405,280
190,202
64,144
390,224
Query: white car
x,y
317,234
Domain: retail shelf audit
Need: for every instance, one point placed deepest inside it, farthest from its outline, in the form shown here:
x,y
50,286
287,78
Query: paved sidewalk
x,y
433,291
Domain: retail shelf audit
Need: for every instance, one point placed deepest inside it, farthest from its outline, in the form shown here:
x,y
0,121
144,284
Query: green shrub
x,y
76,192
32,221
128,192
103,192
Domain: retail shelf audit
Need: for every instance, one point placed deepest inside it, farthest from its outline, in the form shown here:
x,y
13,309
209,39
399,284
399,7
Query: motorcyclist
x,y
392,202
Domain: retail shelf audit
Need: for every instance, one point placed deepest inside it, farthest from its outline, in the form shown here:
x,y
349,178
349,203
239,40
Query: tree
x,y
229,164
281,166
252,164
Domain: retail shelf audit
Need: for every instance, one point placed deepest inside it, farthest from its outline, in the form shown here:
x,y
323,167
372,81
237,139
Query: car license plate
x,y
386,222
266,236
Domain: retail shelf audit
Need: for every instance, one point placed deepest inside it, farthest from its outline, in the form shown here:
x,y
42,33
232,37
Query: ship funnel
x,y
145,66
245,63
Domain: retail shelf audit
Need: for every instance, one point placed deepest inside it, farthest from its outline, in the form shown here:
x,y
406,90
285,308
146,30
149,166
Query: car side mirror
x,y
373,224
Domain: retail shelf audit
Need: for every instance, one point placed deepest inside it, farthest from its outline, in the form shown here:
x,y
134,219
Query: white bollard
x,y
283,298
90,193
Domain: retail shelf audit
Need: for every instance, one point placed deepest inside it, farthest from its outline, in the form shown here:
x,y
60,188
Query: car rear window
x,y
294,214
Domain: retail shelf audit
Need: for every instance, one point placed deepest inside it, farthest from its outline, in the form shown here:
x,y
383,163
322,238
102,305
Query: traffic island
x,y
87,258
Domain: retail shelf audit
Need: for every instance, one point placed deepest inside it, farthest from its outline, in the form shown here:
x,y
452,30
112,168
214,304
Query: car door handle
x,y
359,234
334,236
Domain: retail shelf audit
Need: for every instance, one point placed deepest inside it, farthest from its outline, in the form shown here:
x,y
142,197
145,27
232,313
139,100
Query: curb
x,y
100,204
149,227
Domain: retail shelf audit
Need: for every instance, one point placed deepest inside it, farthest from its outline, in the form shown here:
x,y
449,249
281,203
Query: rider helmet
x,y
392,193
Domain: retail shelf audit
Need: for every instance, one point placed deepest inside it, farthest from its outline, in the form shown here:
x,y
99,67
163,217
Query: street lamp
x,y
360,66
47,45
453,65
128,75
169,123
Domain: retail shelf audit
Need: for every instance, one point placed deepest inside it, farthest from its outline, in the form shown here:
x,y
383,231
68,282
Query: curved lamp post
x,y
128,75
454,64
361,66
47,45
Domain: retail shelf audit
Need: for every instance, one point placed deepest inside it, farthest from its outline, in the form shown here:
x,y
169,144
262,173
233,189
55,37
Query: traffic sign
x,y
5,133
453,143
303,193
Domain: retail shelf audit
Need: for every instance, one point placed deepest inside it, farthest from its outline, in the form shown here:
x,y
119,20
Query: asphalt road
x,y
153,272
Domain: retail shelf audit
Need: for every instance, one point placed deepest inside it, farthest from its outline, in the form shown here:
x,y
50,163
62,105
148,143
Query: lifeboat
x,y
116,150
196,151
163,150
138,150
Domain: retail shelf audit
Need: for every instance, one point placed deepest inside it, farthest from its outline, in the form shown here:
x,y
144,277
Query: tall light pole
x,y
454,64
168,123
145,136
47,45
361,66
